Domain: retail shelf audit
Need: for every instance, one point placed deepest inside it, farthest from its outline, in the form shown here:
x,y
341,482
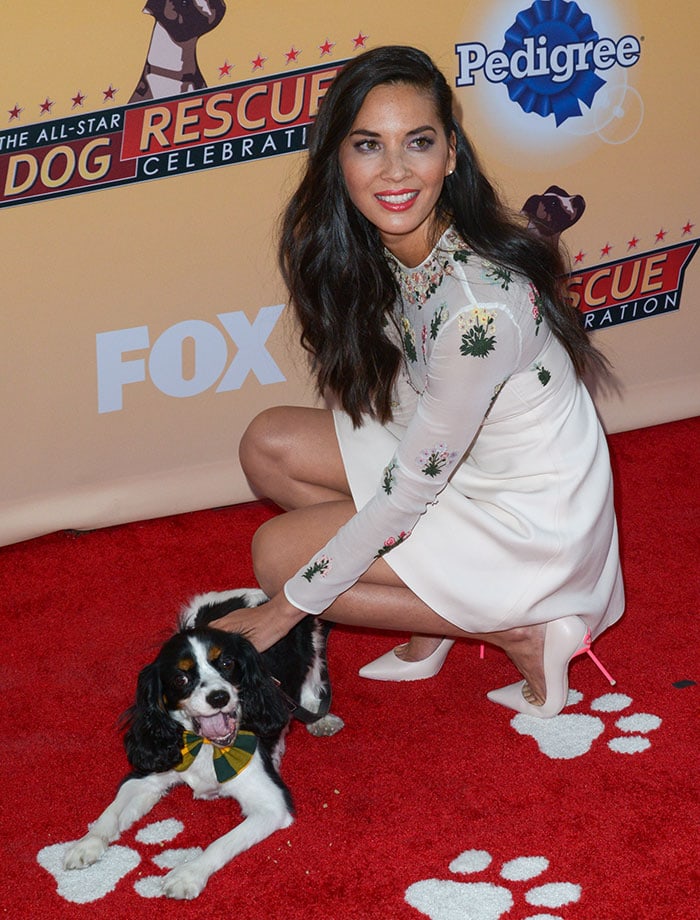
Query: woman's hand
x,y
264,625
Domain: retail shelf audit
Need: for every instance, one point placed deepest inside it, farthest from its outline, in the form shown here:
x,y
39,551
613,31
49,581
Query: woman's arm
x,y
475,352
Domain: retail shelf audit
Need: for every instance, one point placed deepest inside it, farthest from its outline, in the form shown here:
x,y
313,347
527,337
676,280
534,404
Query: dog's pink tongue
x,y
217,726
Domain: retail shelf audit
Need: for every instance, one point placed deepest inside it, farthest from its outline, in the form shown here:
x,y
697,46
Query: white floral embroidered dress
x,y
490,493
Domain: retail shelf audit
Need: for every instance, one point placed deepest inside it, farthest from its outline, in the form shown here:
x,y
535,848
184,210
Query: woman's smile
x,y
397,201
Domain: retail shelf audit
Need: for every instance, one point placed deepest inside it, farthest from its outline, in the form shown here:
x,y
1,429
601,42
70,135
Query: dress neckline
x,y
418,283
448,241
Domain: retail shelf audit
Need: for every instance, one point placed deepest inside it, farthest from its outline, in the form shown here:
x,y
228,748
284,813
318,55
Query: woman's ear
x,y
452,155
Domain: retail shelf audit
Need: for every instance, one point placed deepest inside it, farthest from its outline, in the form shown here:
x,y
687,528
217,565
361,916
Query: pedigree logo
x,y
551,60
640,286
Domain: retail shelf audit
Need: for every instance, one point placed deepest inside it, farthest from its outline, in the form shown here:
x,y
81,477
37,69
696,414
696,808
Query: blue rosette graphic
x,y
552,85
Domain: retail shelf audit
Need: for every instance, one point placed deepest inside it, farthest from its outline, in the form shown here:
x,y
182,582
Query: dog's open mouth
x,y
221,728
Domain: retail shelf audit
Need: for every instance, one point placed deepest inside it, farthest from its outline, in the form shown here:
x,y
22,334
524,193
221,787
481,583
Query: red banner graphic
x,y
137,143
644,284
225,114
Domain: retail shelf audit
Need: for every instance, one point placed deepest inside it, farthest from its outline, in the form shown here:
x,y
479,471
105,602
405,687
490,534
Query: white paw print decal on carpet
x,y
82,886
570,735
444,899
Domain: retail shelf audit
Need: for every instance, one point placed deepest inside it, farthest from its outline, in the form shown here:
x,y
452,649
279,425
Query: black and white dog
x,y
212,712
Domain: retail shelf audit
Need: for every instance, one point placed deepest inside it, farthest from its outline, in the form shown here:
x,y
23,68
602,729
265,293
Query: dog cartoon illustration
x,y
171,63
553,212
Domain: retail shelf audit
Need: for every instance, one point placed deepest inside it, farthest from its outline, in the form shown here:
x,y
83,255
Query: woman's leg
x,y
379,600
290,455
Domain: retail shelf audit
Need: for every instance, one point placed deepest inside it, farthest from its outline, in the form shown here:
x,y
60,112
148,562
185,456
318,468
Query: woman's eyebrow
x,y
367,133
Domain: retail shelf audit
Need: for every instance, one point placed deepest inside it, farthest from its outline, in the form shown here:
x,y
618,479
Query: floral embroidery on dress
x,y
419,284
440,316
497,275
536,301
388,478
543,375
477,339
409,340
321,566
432,460
391,542
497,389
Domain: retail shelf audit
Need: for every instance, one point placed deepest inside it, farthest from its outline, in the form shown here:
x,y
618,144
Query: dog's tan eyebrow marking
x,y
213,653
185,664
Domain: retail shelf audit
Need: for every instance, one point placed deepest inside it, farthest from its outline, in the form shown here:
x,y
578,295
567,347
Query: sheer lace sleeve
x,y
476,350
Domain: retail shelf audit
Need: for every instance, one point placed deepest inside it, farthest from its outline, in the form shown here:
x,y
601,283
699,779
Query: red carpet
x,y
431,802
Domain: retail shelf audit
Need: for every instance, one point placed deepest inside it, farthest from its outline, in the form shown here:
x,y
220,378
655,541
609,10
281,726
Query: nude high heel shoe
x,y
390,667
564,639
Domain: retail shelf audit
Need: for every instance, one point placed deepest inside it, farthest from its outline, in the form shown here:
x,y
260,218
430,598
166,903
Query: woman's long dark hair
x,y
332,257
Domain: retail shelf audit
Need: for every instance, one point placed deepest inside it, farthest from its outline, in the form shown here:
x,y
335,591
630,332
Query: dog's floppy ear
x,y
264,711
153,740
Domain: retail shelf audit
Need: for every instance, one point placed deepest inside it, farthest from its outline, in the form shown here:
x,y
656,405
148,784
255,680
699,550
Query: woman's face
x,y
394,161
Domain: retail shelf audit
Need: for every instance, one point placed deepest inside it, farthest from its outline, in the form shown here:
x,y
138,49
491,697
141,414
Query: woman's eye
x,y
368,145
423,143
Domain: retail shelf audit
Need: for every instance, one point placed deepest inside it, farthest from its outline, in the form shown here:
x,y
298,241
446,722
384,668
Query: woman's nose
x,y
395,165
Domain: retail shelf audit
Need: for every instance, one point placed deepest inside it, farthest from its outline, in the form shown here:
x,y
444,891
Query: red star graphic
x,y
360,41
109,93
632,244
45,106
78,99
292,54
15,113
225,69
258,62
688,227
579,257
326,47
660,235
606,249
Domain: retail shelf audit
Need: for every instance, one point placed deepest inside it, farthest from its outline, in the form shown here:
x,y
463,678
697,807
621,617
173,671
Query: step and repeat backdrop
x,y
145,157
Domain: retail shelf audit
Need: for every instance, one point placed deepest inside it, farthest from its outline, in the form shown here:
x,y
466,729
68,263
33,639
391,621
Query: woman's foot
x,y
418,648
419,658
544,691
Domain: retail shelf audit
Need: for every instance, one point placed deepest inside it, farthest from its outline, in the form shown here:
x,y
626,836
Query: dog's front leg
x,y
136,797
189,880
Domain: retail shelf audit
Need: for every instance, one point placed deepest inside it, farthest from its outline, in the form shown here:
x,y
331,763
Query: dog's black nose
x,y
217,699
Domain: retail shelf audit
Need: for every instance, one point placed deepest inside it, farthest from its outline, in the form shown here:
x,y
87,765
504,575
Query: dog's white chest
x,y
201,778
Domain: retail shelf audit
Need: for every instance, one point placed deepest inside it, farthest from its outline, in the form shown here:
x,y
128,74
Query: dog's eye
x,y
180,681
226,662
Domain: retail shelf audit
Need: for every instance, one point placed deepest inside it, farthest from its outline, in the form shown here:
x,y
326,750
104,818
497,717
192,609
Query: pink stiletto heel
x,y
564,639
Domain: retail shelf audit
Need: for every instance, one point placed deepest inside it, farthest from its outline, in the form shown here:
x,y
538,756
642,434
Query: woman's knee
x,y
261,444
267,554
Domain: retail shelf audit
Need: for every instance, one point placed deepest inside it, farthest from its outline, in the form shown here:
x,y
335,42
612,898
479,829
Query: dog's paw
x,y
86,852
184,883
325,726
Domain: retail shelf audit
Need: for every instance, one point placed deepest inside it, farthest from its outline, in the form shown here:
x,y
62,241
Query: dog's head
x,y
186,19
554,211
207,681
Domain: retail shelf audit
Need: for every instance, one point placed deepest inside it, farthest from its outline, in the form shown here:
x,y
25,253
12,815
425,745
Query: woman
x,y
462,487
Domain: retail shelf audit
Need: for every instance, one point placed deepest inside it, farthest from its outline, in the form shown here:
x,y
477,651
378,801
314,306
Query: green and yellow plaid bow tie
x,y
228,761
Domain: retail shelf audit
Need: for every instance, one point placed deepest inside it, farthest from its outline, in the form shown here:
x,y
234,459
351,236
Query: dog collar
x,y
228,761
